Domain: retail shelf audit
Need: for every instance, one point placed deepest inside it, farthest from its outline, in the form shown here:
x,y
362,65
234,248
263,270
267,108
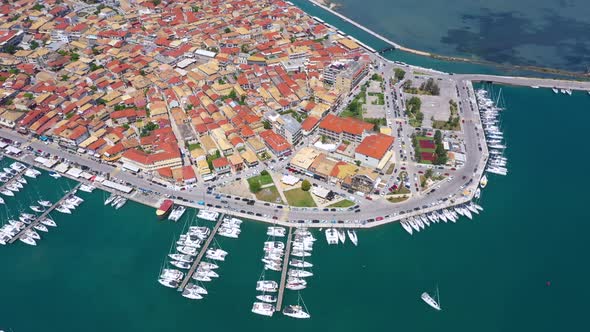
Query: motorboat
x,y
331,236
262,308
120,203
30,173
177,213
353,237
87,188
483,182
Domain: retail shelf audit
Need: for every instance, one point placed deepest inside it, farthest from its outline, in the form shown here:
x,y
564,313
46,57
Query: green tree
x,y
357,162
266,124
33,44
399,74
28,95
38,7
428,174
233,95
156,2
305,185
254,186
438,137
244,48
227,30
126,126
264,172
65,78
195,8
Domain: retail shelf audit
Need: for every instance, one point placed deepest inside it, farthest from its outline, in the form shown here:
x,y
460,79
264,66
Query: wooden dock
x,y
44,214
13,179
193,268
284,272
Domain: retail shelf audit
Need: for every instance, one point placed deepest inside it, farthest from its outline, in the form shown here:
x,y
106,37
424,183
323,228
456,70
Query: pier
x,y
13,179
527,81
44,214
284,271
190,272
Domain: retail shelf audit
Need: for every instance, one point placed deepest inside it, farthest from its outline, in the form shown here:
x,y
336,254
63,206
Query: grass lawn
x,y
269,194
397,199
401,190
262,179
444,125
342,204
390,169
298,197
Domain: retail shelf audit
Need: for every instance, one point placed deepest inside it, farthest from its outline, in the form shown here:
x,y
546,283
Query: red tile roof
x,y
347,125
375,146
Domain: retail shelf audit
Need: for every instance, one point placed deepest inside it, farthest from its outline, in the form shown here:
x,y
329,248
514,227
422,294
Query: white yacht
x,y
48,222
44,203
216,254
341,236
87,188
296,284
37,208
267,298
181,257
177,213
267,286
199,276
300,253
32,234
41,228
331,236
419,222
6,192
28,240
430,301
414,224
208,265
190,294
181,265
120,203
171,274
208,273
555,90
171,283
196,288
271,245
208,215
29,173
54,175
110,199
63,209
300,263
353,237
192,251
295,311
12,188
276,231
406,226
483,182
298,273
265,309
229,232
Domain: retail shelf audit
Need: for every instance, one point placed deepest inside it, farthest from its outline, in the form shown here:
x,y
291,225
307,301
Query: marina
x,y
283,281
198,259
37,220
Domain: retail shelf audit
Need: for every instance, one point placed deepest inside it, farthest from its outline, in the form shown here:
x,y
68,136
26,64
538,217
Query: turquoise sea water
x,y
98,269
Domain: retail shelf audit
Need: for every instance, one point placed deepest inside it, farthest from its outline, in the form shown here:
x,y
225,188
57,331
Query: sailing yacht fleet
x,y
334,236
297,272
187,247
490,118
116,201
452,214
12,180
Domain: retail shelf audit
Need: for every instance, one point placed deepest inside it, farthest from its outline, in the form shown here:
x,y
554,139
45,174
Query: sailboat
x,y
352,236
298,310
430,301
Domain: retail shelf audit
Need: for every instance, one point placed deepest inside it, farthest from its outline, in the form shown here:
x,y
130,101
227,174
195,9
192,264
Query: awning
x,y
130,167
